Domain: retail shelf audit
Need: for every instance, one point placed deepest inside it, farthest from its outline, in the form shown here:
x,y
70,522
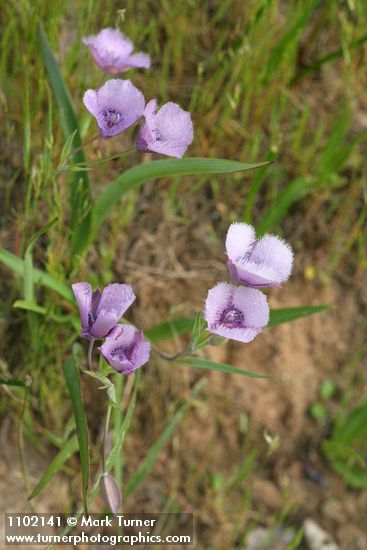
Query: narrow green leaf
x,y
9,382
348,463
297,539
278,316
120,437
28,262
289,39
149,461
331,56
354,426
30,306
170,329
80,196
296,190
69,448
39,277
221,367
72,378
159,169
38,234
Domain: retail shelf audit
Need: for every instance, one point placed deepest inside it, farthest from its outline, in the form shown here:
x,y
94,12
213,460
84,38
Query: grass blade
x,y
278,316
159,169
16,264
331,56
296,190
120,438
221,367
7,382
80,196
69,448
72,378
148,463
289,39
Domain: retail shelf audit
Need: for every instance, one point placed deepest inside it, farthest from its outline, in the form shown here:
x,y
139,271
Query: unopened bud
x,y
110,493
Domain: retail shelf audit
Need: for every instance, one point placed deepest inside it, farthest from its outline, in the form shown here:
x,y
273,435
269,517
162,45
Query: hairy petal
x,y
275,253
253,274
139,60
243,335
168,131
240,240
90,100
124,97
218,299
253,305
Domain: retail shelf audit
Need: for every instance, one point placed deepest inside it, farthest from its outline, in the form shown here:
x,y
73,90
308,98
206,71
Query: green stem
x,y
104,441
90,352
88,142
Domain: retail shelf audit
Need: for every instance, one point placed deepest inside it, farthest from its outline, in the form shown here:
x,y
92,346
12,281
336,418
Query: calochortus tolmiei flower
x,y
116,106
112,51
237,313
265,262
168,131
125,349
100,312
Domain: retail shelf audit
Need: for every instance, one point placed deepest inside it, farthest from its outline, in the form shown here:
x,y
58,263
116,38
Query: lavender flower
x,y
263,263
112,51
100,312
168,131
125,349
237,313
116,106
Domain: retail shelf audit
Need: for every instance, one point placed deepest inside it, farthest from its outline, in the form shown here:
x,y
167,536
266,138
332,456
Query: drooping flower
x,y
168,131
237,313
125,349
116,106
100,312
258,263
112,51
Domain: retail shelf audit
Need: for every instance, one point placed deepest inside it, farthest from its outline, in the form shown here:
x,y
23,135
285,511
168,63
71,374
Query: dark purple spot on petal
x,y
91,320
111,118
232,318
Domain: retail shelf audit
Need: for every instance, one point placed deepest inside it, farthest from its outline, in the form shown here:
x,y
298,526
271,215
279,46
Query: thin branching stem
x,y
80,147
168,357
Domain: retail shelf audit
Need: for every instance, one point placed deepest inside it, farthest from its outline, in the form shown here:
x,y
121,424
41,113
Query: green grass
x,y
278,81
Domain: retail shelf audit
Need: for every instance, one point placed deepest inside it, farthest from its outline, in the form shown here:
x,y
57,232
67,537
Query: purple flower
x,y
168,131
234,312
112,52
99,313
125,349
116,106
263,263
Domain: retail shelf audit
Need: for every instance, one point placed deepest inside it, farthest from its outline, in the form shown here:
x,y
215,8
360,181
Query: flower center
x,y
111,118
91,320
122,353
232,318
